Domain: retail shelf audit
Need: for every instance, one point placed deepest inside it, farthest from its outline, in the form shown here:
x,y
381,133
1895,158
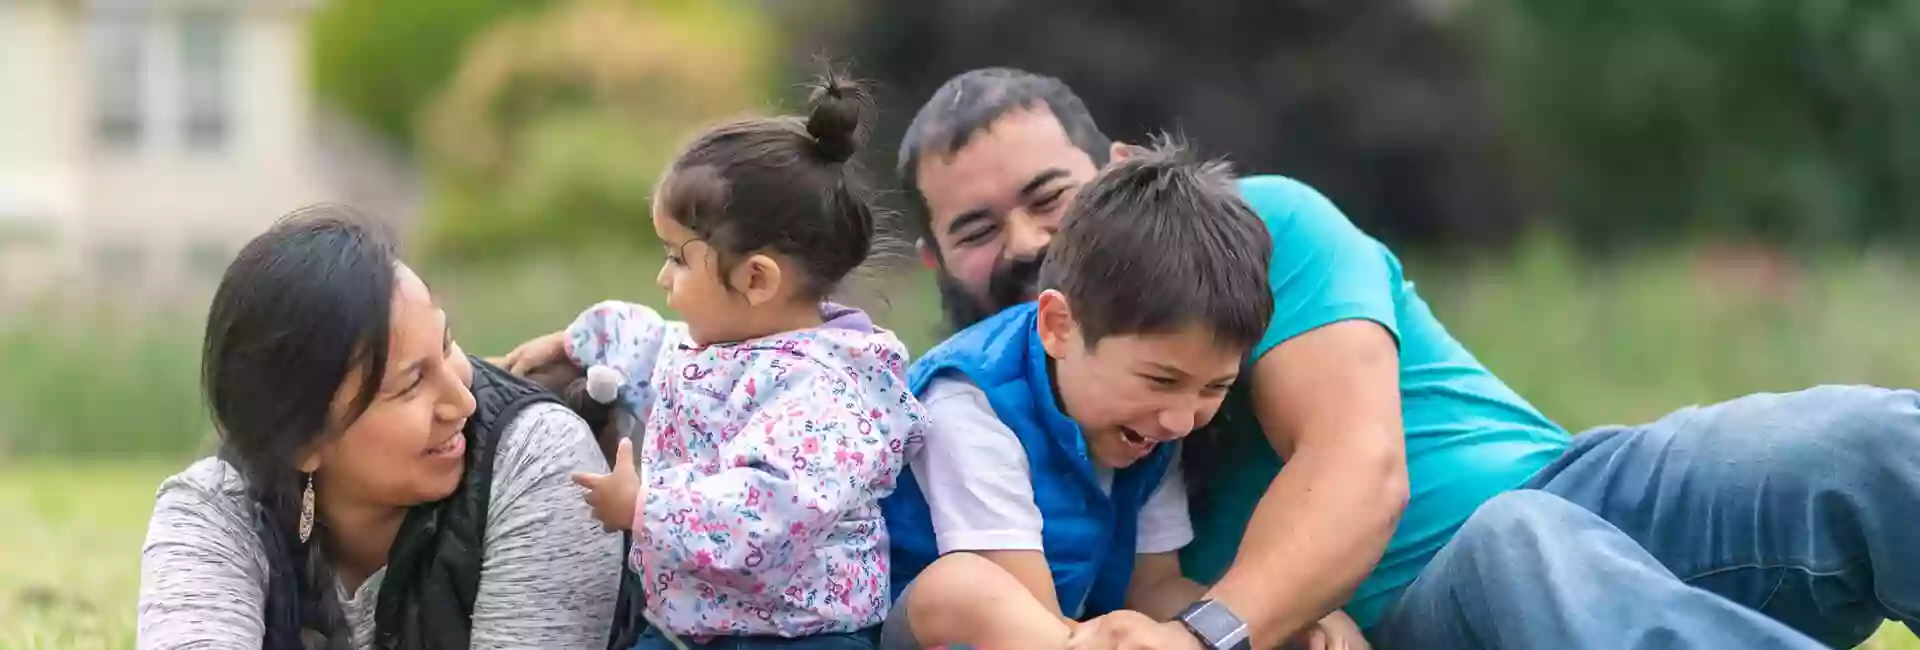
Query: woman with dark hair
x,y
375,486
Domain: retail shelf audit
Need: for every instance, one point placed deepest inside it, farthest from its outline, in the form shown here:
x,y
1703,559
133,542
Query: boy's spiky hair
x,y
1161,241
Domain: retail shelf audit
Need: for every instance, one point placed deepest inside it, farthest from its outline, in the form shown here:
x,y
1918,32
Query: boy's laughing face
x,y
1132,392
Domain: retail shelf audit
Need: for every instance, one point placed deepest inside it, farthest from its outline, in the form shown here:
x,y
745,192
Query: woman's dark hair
x,y
784,184
300,309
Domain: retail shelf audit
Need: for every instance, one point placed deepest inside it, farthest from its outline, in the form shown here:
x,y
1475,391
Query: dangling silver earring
x,y
306,511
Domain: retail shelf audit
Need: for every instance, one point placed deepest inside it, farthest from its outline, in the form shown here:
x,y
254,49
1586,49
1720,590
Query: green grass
x,y
1622,343
1635,340
70,565
70,551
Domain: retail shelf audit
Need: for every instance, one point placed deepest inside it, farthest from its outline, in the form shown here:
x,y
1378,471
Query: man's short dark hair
x,y
1160,242
972,100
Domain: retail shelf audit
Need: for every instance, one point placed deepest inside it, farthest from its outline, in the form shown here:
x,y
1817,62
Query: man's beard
x,y
1010,284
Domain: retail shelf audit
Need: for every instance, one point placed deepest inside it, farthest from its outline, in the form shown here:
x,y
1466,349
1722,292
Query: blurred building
x,y
143,141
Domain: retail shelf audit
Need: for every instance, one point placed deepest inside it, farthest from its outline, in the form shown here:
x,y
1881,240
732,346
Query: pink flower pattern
x,y
762,469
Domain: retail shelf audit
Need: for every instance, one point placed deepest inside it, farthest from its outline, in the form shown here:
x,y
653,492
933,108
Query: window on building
x,y
206,36
116,55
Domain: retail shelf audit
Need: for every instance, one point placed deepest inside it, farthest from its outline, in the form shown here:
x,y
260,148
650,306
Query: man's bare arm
x,y
1329,401
1158,588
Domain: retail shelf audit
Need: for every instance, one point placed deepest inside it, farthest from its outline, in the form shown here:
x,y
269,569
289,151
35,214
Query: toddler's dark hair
x,y
569,383
784,184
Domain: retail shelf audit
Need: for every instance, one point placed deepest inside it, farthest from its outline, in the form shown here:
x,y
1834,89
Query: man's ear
x,y
929,256
1058,330
758,278
1119,152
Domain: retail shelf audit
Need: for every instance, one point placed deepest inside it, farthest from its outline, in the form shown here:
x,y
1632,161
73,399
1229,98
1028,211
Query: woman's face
x,y
406,448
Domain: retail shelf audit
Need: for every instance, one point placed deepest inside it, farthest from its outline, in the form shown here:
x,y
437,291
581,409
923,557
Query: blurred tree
x,y
554,128
1375,102
1792,122
381,61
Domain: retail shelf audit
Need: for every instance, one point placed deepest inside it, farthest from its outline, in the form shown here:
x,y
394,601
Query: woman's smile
x,y
454,447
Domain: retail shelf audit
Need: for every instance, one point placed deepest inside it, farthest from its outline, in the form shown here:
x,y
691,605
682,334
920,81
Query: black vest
x,y
433,570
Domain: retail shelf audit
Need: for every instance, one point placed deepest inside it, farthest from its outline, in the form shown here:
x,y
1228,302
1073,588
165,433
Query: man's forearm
x,y
1164,600
1318,531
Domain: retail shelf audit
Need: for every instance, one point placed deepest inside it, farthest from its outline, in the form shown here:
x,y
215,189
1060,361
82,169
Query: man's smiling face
x,y
994,205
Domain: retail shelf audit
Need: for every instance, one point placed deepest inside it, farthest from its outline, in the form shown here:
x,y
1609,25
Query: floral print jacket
x,y
762,468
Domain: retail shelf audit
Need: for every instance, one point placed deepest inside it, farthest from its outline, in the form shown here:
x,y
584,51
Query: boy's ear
x,y
758,278
1058,329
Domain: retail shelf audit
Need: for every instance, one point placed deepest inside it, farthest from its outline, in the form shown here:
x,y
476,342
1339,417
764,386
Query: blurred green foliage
x,y
1431,123
1787,121
382,61
100,383
1377,104
1461,123
1587,343
552,132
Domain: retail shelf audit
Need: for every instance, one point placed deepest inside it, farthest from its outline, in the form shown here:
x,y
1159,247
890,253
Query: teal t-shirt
x,y
1468,436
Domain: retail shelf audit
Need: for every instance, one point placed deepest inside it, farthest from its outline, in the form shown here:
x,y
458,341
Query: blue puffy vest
x,y
1088,536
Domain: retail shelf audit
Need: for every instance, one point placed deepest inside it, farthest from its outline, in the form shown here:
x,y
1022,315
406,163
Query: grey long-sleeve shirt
x,y
549,577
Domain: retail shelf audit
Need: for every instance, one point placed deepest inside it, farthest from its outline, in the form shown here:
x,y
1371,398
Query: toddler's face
x,y
691,276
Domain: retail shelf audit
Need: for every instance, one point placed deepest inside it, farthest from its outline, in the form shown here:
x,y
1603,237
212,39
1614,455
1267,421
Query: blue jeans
x,y
652,640
1771,521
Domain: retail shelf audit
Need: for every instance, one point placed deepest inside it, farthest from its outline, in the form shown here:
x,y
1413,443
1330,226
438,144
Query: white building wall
x,y
39,148
42,175
145,220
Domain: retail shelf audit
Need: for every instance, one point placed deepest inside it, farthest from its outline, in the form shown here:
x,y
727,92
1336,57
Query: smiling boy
x,y
1048,490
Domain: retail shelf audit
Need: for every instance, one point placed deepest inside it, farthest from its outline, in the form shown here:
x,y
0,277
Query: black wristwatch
x,y
1216,626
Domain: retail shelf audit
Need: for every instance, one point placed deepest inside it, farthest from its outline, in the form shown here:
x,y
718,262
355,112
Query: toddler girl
x,y
774,421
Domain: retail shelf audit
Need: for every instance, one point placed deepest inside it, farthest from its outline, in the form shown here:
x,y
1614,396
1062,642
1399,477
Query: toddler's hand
x,y
613,495
529,356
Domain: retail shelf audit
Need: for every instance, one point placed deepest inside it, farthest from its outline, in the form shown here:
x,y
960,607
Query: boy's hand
x,y
1335,632
546,349
613,495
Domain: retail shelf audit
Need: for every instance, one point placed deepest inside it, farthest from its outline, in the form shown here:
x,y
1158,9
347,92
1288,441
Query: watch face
x,y
1216,625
